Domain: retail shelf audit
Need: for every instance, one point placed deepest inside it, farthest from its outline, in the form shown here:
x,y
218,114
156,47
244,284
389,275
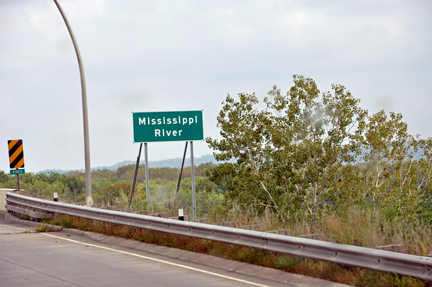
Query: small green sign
x,y
168,126
17,171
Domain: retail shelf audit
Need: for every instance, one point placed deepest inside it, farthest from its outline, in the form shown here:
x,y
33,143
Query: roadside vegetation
x,y
305,161
319,269
112,188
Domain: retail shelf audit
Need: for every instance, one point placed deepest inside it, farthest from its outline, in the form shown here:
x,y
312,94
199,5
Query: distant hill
x,y
174,163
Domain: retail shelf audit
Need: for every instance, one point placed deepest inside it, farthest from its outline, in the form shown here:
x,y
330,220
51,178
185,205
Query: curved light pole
x,y
89,199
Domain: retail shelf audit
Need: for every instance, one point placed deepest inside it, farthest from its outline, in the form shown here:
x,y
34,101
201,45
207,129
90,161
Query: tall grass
x,y
367,228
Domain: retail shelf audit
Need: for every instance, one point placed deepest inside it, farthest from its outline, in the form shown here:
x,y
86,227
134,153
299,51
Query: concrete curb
x,y
188,256
14,219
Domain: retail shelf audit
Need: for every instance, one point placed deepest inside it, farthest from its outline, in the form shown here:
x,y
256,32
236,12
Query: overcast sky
x,y
147,56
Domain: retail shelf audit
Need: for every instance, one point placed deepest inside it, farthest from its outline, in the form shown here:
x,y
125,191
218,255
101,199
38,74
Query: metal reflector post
x,y
180,215
193,180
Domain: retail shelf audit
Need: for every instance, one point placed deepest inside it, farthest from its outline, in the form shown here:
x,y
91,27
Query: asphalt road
x,y
63,259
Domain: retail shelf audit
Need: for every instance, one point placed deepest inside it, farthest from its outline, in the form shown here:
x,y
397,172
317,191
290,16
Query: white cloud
x,y
45,21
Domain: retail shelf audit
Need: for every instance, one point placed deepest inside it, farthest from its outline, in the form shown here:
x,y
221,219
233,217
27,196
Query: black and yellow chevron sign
x,y
16,153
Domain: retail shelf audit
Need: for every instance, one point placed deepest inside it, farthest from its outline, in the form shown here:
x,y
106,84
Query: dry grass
x,y
360,227
43,228
366,229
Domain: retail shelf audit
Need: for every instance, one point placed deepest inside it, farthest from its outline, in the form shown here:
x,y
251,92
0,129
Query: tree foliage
x,y
313,151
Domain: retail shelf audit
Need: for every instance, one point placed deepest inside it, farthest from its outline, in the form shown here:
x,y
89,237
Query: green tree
x,y
289,155
4,177
114,191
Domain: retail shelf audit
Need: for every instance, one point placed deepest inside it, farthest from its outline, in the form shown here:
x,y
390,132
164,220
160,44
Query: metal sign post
x,y
18,185
147,176
135,176
179,179
193,180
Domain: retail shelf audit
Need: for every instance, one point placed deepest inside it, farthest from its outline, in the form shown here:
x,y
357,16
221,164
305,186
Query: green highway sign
x,y
17,171
168,126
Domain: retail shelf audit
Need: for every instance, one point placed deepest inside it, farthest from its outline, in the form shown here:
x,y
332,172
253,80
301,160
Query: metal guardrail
x,y
379,260
29,213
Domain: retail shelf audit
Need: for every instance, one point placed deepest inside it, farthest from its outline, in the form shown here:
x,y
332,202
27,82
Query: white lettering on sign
x,y
168,121
167,133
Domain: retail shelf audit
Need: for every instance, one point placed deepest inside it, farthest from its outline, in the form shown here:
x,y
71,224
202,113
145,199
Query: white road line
x,y
161,261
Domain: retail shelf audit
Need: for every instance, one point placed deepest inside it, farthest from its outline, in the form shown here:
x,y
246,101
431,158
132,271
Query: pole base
x,y
89,201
